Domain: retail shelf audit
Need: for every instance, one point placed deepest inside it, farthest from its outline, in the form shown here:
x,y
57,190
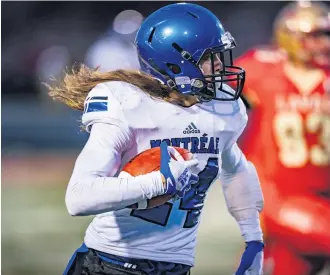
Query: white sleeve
x,y
242,192
93,189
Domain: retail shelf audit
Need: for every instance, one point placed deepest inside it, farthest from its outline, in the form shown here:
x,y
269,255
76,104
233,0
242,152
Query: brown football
x,y
148,161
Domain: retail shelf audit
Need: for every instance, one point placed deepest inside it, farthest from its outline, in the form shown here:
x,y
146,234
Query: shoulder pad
x,y
127,95
119,103
102,106
134,104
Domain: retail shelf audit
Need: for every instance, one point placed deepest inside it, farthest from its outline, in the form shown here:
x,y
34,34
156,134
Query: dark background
x,y
41,138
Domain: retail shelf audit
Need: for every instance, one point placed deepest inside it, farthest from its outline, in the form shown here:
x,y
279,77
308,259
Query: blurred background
x,y
41,138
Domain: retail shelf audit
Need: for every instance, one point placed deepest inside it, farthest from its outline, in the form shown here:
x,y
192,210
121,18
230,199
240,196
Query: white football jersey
x,y
168,232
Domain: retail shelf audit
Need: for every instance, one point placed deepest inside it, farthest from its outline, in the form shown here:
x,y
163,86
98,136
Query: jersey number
x,y
192,202
290,128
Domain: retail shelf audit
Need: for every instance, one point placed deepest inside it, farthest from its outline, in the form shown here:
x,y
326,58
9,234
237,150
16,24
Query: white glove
x,y
177,174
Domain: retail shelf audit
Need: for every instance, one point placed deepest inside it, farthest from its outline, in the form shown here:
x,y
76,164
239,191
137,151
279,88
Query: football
x,y
148,161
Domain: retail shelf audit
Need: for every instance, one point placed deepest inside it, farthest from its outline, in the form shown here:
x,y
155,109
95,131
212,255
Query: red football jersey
x,y
288,134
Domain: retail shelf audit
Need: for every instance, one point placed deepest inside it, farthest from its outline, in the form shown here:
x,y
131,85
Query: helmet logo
x,y
228,40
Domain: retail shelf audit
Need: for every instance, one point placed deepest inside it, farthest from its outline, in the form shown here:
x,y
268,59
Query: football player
x,y
288,137
179,98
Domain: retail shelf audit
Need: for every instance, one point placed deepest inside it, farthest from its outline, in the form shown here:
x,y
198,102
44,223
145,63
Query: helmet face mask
x,y
213,81
173,42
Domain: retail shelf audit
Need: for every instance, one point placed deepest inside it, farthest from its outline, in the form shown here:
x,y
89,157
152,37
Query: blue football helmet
x,y
172,42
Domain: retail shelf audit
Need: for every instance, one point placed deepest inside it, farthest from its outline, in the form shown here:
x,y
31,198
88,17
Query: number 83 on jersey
x,y
291,130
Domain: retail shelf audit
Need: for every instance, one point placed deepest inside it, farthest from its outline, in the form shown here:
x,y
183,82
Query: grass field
x,y
39,236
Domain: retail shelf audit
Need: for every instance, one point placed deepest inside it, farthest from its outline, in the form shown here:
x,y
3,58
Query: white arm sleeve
x,y
242,192
92,190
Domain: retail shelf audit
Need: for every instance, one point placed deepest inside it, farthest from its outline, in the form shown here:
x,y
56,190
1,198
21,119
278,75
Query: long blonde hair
x,y
77,83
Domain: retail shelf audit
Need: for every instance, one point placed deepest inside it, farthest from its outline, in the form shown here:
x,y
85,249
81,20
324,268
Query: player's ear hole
x,y
174,68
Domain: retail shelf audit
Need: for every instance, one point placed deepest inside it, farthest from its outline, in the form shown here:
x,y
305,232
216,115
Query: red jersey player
x,y
288,138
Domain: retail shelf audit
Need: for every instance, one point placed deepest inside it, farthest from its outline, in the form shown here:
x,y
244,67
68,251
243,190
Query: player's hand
x,y
177,173
252,259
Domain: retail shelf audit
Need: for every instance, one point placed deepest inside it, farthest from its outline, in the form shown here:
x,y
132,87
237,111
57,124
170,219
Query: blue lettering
x,y
185,142
175,142
155,143
203,145
210,150
217,145
194,144
203,141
